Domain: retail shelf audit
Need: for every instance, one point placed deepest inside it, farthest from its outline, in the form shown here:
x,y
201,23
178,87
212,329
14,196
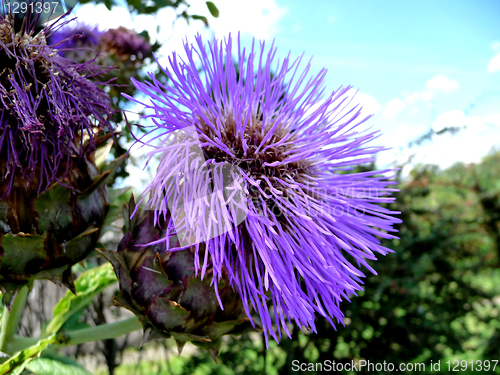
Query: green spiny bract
x,y
161,288
43,235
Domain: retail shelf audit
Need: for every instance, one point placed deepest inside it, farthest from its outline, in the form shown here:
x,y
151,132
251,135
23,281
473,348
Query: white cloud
x,y
449,119
442,83
457,118
434,85
102,17
258,18
469,145
493,118
368,102
419,96
494,65
392,108
403,134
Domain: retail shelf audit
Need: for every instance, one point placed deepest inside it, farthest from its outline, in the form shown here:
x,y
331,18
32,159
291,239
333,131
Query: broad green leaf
x,y
21,249
88,285
213,9
48,366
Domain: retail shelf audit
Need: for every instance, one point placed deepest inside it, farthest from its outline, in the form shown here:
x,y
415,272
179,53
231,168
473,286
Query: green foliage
x,y
48,366
435,298
18,362
213,9
88,285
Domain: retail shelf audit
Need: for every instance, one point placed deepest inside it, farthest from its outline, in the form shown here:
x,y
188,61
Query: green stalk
x,y
19,343
99,333
80,336
10,319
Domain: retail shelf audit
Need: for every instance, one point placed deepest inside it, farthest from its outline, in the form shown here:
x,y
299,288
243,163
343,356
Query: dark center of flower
x,y
255,159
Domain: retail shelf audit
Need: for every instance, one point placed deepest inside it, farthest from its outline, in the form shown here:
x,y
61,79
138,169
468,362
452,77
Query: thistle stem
x,y
10,319
80,336
102,332
19,343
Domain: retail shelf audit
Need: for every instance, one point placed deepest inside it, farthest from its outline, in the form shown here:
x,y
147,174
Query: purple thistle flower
x,y
251,176
78,36
124,43
49,107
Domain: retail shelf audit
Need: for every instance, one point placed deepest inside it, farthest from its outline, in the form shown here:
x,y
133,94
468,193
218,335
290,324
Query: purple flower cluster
x,y
124,43
49,107
252,159
75,42
78,36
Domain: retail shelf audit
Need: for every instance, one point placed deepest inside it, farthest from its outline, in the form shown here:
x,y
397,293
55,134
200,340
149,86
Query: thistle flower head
x,y
252,176
124,43
80,35
48,105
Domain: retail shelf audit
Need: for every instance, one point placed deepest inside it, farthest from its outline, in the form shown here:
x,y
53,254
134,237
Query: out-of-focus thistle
x,y
252,182
78,42
161,288
121,48
53,197
125,49
124,43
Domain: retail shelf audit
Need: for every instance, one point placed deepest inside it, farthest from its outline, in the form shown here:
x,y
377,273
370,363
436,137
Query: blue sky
x,y
416,64
429,57
385,47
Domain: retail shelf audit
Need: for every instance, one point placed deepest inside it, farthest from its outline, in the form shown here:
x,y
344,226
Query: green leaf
x,y
102,153
16,364
21,249
213,9
119,196
76,321
52,206
47,366
165,3
112,167
114,213
212,348
204,19
108,4
88,285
